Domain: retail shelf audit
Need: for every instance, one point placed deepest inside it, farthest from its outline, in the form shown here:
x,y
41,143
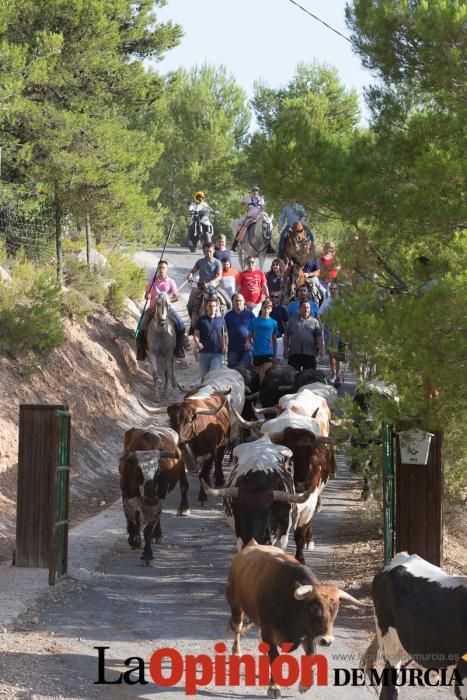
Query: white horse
x,y
161,344
257,240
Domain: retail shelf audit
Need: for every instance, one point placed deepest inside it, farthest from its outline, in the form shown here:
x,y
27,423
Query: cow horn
x,y
285,387
291,497
302,592
153,410
346,596
209,411
251,397
271,409
227,492
154,455
251,424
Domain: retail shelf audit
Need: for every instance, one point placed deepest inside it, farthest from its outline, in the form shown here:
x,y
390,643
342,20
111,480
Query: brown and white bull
x,y
202,422
284,599
307,403
149,468
259,499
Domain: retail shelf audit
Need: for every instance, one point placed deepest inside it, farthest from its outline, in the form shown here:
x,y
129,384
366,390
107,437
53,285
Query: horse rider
x,y
291,213
161,283
209,271
255,206
200,205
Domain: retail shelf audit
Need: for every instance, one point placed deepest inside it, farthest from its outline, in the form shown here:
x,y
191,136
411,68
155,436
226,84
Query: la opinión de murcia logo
x,y
168,668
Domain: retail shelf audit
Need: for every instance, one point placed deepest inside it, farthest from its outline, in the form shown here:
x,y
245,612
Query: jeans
x,y
209,361
178,320
239,357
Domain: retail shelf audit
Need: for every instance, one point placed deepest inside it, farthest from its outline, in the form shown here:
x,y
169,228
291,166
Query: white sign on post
x,y
414,446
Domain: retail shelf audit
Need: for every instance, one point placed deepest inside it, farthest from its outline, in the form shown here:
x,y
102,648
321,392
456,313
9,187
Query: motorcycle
x,y
200,229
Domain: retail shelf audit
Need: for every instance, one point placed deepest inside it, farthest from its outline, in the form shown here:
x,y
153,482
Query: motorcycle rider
x,y
201,207
255,205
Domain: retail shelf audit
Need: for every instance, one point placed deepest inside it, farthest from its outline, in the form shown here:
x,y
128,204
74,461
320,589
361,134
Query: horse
x,y
257,240
161,344
297,246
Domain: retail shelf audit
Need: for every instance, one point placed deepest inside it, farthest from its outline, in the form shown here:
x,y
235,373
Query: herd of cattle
x,y
279,469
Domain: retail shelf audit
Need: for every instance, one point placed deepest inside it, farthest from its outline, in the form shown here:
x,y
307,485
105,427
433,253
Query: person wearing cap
x,y
291,213
255,205
221,251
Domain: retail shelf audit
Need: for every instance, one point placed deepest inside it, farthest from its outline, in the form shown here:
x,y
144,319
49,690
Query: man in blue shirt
x,y
237,321
210,338
302,295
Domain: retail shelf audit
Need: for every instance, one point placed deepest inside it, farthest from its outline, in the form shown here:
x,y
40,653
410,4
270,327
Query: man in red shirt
x,y
253,285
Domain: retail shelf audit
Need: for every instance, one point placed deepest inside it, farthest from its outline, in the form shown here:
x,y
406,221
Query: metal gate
x,y
60,487
388,491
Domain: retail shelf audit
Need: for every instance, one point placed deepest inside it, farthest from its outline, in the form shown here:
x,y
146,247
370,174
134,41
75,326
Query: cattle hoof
x,y
274,693
303,688
158,540
182,511
310,546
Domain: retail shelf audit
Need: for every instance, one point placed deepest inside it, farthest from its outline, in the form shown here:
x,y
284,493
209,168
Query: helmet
x,y
199,196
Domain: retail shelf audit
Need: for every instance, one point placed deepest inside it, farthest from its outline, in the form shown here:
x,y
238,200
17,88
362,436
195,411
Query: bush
x,y
115,300
128,280
30,311
77,306
85,280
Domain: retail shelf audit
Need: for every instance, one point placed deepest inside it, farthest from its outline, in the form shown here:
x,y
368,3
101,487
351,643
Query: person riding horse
x,y
161,283
291,213
255,207
209,271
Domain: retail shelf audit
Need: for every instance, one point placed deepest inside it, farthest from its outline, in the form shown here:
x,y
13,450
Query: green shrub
x,y
30,311
128,280
77,306
85,280
115,300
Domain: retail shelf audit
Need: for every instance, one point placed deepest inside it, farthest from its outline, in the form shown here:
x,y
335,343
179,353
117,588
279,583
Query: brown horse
x,y
298,246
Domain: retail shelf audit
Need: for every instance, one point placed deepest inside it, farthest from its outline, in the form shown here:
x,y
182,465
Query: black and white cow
x,y
259,500
420,614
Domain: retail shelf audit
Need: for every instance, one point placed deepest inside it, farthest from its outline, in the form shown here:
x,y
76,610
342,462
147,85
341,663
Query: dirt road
x,y
49,652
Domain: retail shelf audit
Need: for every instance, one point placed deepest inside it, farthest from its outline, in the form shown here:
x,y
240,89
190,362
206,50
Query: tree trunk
x,y
58,237
88,241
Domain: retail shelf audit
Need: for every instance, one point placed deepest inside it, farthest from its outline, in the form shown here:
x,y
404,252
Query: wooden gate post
x,y
419,504
42,496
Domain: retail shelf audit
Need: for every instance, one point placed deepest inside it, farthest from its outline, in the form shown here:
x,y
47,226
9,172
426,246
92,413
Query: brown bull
x,y
202,421
284,599
149,468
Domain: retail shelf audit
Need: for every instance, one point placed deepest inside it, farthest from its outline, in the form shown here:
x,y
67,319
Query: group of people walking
x,y
258,329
